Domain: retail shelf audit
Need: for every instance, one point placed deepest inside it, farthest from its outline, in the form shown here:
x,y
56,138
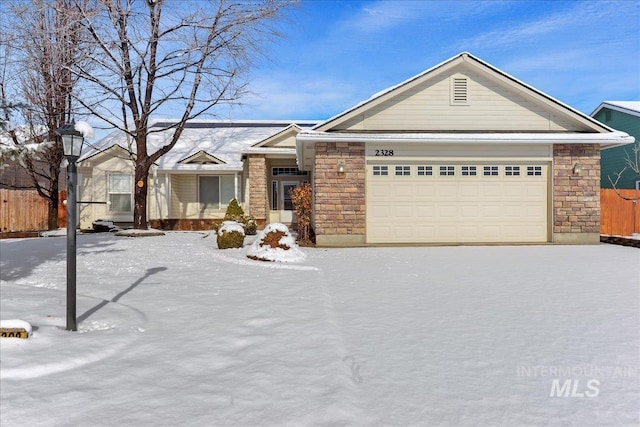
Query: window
x,y
380,170
274,195
459,90
403,170
280,171
534,170
215,192
490,171
447,170
120,192
425,170
469,171
512,170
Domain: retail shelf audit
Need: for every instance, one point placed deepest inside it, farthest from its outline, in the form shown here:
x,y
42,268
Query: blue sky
x,y
338,53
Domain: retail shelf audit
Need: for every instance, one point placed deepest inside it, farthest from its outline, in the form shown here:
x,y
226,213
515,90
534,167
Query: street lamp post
x,y
72,141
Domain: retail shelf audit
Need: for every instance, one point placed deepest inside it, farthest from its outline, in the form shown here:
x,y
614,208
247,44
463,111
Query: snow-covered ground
x,y
173,331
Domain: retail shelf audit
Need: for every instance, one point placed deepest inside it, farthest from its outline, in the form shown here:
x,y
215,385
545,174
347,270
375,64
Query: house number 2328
x,y
384,153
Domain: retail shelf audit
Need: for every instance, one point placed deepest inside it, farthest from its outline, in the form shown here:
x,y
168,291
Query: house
x,y
191,186
461,153
624,116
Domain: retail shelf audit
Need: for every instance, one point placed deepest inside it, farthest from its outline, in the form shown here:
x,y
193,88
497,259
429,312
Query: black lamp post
x,y
72,141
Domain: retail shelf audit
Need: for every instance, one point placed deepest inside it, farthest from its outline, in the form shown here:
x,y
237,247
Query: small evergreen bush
x,y
250,225
236,213
230,235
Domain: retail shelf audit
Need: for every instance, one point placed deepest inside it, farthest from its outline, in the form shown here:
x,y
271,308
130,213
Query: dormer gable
x,y
286,138
201,158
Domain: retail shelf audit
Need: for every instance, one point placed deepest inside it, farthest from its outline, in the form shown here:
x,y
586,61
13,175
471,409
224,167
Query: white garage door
x,y
457,202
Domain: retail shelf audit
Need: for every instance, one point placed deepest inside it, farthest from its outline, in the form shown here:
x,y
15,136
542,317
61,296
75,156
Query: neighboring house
x,y
192,185
461,153
624,116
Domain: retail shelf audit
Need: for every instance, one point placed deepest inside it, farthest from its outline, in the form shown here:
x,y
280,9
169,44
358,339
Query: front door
x,y
286,205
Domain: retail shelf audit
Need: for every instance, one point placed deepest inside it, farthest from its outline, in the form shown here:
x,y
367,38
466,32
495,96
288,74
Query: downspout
x,y
235,187
155,189
167,189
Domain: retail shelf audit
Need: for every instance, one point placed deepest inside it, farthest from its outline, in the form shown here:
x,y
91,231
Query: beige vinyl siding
x,y
285,141
491,106
94,186
184,197
158,206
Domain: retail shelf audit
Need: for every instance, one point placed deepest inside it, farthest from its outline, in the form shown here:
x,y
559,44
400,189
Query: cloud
x,y
582,16
293,96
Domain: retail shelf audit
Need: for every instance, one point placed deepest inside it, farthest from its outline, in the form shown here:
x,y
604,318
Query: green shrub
x,y
234,212
230,235
250,225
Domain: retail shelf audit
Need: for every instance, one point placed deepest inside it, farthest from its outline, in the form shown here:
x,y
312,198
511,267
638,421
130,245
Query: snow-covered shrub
x,y
275,243
250,225
230,235
236,213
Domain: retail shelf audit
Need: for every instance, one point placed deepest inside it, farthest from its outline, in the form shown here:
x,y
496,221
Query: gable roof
x,y
201,157
223,141
478,65
628,107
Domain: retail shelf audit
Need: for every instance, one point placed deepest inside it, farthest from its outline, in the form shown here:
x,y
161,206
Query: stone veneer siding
x,y
258,187
576,198
339,216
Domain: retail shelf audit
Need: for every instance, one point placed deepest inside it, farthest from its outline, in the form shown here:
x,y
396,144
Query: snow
x,y
16,324
267,253
230,226
173,331
84,128
132,232
225,140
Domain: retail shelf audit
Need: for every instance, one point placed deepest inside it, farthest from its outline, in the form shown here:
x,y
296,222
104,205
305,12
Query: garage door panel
x,y
404,212
403,190
425,190
447,212
451,209
447,190
425,211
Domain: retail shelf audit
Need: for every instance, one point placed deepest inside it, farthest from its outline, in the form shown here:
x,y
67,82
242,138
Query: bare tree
x,y
632,163
44,43
154,54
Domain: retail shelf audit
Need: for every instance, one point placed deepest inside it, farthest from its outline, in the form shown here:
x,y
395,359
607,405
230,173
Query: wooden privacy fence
x,y
617,214
25,210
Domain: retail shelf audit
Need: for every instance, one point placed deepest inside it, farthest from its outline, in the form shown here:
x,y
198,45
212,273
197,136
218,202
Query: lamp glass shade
x,y
72,140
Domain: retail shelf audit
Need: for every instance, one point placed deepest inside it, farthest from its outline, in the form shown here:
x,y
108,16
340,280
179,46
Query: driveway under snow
x,y
176,332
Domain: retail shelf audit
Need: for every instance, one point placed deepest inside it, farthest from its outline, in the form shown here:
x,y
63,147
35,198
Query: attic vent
x,y
459,90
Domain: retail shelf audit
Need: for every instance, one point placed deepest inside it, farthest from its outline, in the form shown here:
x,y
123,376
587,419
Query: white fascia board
x,y
610,138
260,150
628,107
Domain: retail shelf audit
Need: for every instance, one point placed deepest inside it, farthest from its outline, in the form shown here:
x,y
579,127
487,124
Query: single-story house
x,y
624,116
461,153
191,186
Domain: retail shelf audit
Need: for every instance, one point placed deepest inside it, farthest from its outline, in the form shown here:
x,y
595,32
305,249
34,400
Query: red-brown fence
x,y
25,211
617,214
